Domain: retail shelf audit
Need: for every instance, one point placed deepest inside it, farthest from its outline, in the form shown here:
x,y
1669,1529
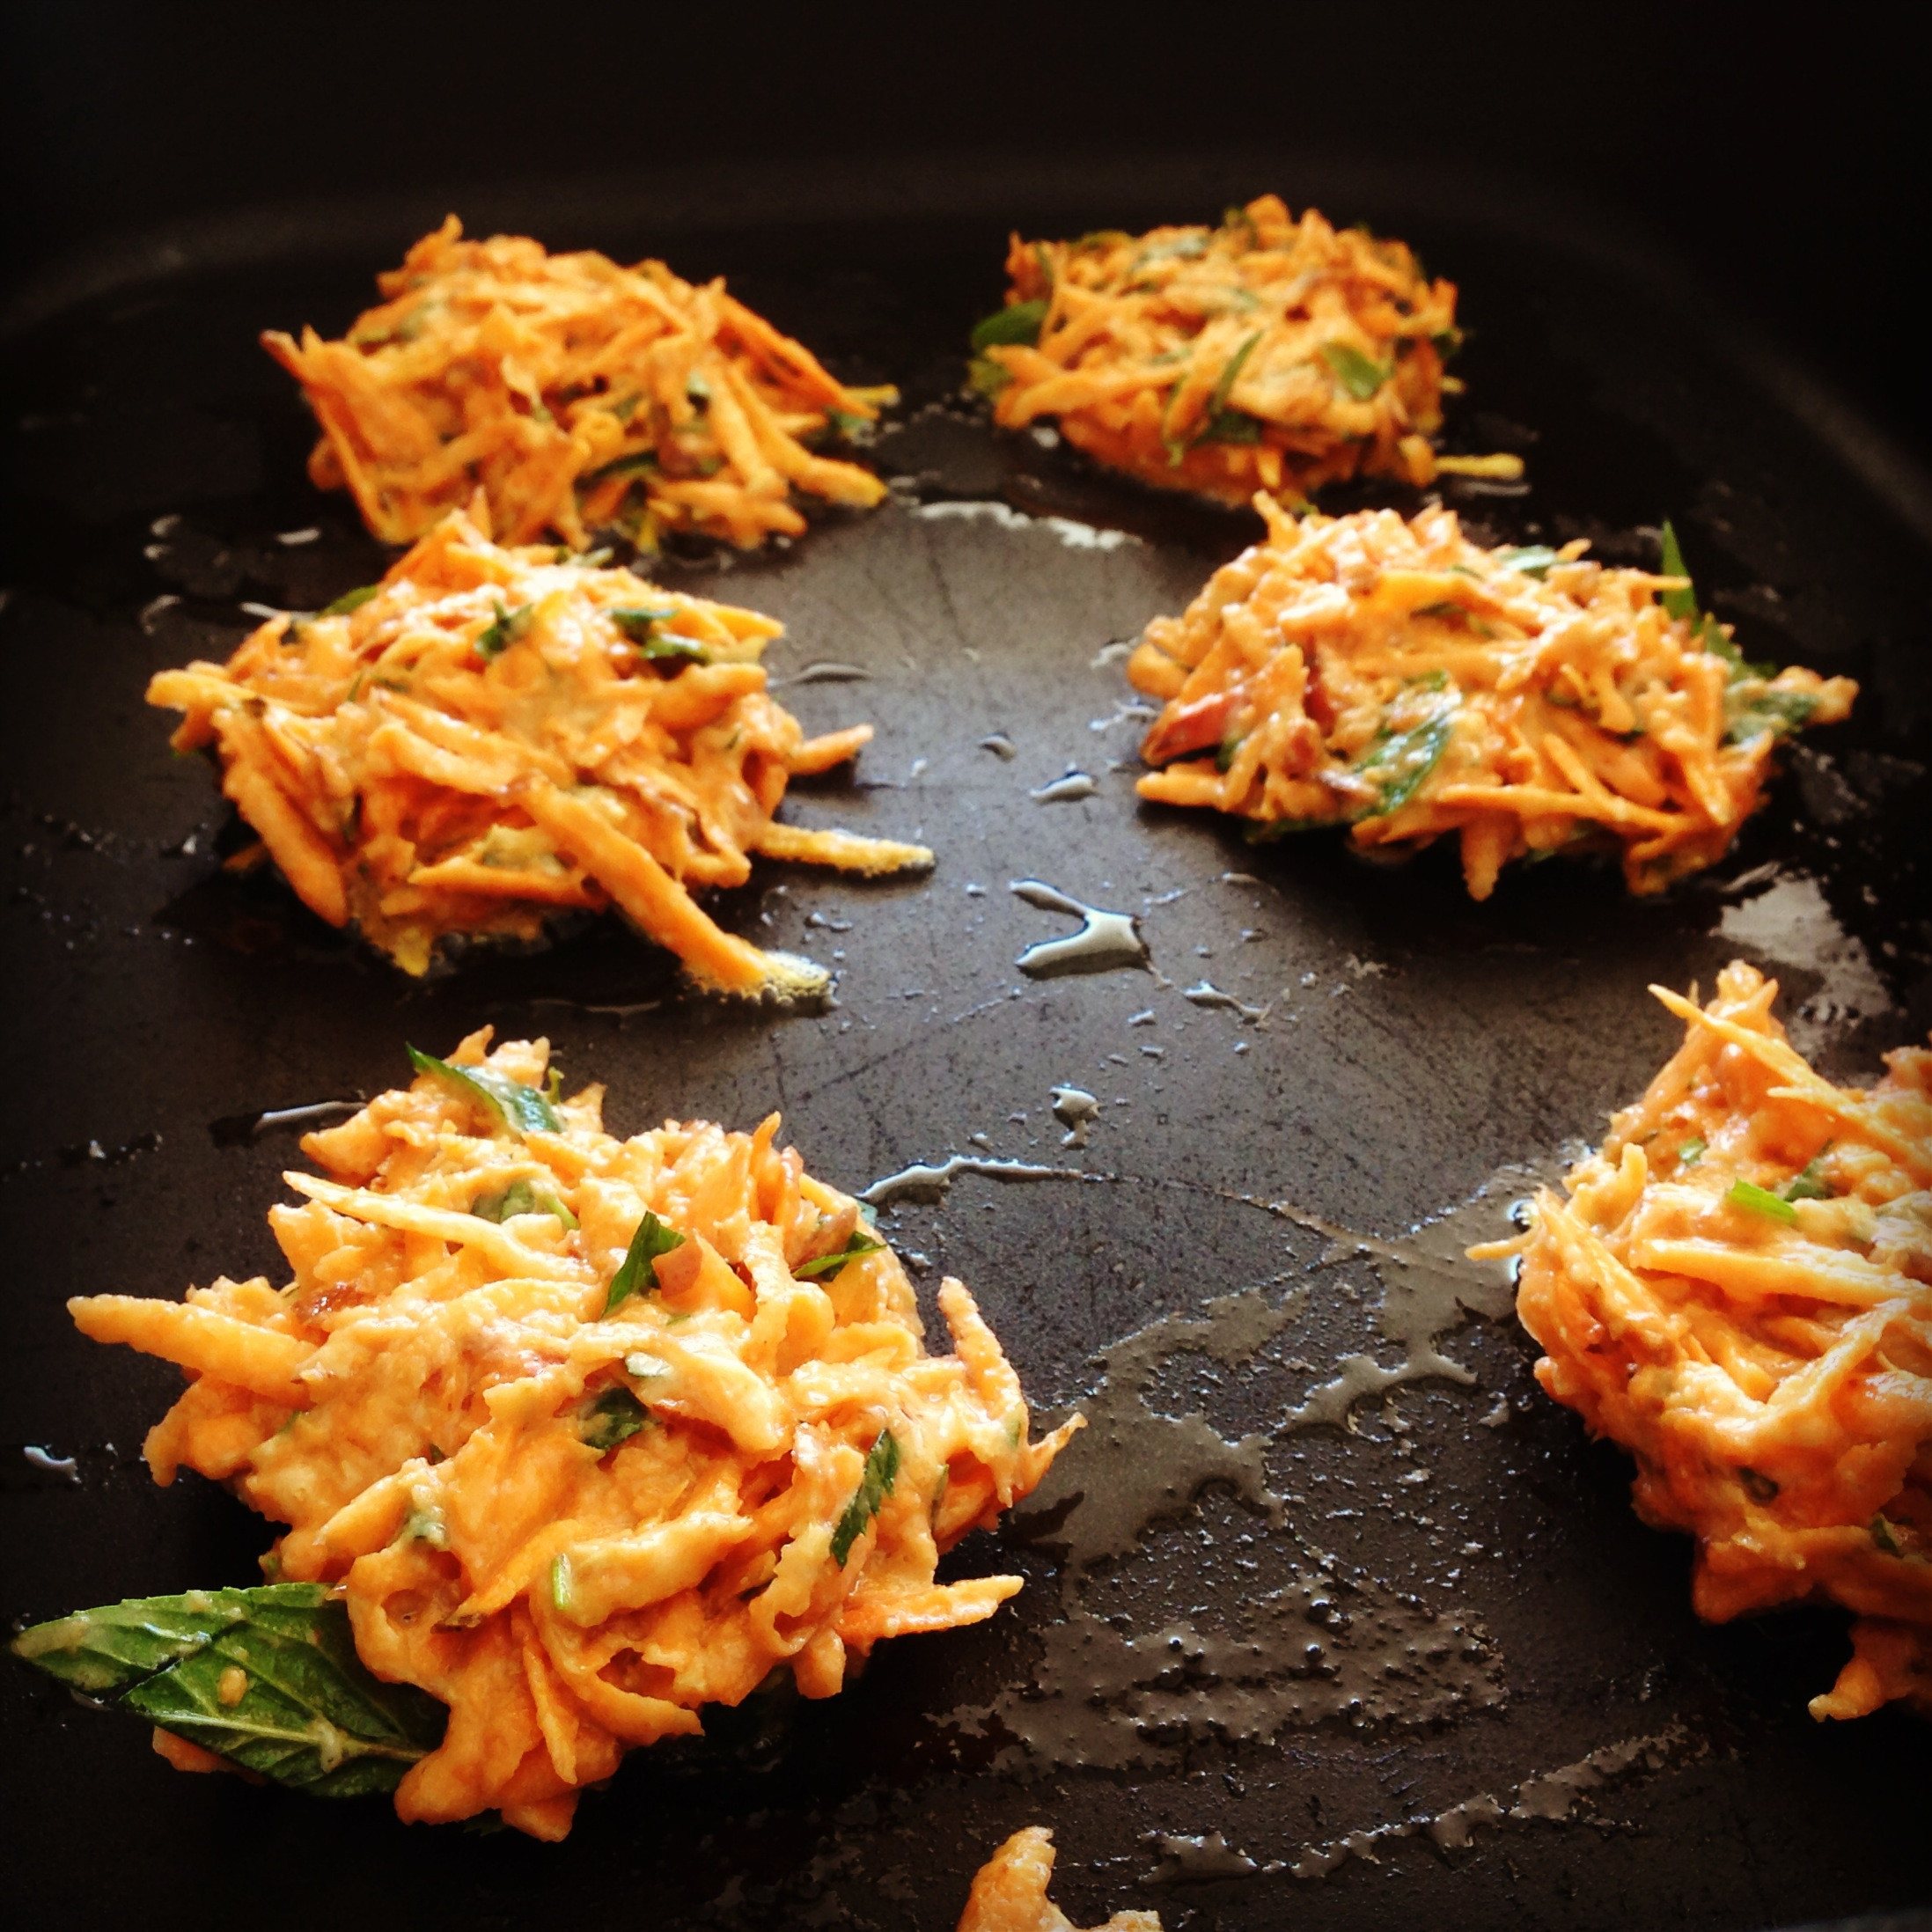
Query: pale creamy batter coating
x,y
590,1433
1738,1290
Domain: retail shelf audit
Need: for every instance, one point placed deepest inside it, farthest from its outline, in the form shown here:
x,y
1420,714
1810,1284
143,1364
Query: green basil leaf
x,y
825,1265
107,1650
507,628
521,1109
875,1485
521,1196
301,1707
310,1715
615,1417
1676,603
1533,559
1016,322
350,601
1748,1194
1692,1151
1354,370
639,1266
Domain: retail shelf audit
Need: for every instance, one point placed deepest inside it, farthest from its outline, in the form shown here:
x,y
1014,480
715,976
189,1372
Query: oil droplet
x,y
55,1466
931,1184
238,1129
1208,994
1209,1857
1075,784
1077,1109
1549,1798
825,672
1105,943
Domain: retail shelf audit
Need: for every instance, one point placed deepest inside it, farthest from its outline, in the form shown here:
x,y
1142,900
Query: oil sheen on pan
x,y
1329,1613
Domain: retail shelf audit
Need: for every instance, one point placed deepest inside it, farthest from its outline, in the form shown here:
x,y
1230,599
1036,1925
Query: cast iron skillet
x,y
1414,1045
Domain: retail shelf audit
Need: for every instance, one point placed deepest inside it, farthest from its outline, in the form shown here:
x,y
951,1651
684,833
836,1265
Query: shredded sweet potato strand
x,y
1766,1356
577,1523
496,735
577,394
1397,677
1266,353
1010,1892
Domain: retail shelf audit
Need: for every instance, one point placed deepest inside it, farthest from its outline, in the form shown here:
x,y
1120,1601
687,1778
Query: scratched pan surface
x,y
1444,1614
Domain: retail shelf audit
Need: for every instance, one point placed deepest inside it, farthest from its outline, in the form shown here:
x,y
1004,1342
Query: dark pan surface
x,y
1414,1046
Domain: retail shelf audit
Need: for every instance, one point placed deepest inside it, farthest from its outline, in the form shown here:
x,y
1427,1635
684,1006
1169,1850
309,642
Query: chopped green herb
x,y
1809,1184
521,1196
639,1266
636,464
507,628
1676,603
1449,342
350,601
875,1485
1018,322
1692,1151
1397,763
1533,559
615,1417
823,1267
1354,370
309,1714
426,1526
1752,713
559,1581
1226,751
987,378
521,1109
844,423
625,407
1882,1535
639,624
1224,383
1267,831
1232,426
1747,1194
